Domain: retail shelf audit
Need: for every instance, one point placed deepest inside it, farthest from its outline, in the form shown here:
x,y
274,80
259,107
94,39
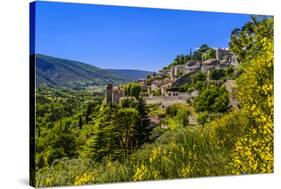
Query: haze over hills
x,y
57,72
130,74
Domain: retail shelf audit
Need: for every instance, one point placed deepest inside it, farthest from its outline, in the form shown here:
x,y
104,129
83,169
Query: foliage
x,y
198,76
133,89
246,41
205,51
209,54
155,110
180,153
180,60
202,118
127,121
81,126
177,115
106,137
60,116
253,152
143,128
229,71
156,92
212,99
217,74
128,102
198,81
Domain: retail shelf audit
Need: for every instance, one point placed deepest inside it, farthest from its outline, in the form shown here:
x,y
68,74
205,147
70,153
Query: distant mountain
x,y
57,72
130,74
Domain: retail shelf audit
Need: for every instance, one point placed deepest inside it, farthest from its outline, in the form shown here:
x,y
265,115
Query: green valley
x,y
62,73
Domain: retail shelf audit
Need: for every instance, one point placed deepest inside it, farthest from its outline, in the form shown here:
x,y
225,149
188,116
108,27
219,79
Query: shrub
x,y
202,118
212,99
217,74
229,71
128,102
177,115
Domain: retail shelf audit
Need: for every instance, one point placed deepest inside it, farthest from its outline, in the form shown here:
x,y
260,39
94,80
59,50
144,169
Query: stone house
x,y
113,94
223,54
165,88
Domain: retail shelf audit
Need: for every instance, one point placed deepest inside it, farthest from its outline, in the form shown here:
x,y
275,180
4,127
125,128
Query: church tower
x,y
108,97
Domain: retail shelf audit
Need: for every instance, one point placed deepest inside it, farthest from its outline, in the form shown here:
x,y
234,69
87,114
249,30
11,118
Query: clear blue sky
x,y
126,37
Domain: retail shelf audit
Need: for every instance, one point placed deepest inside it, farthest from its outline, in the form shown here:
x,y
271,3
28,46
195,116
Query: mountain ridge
x,y
58,72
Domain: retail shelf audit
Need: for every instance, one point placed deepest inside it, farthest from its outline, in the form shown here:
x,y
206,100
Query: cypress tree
x,y
80,122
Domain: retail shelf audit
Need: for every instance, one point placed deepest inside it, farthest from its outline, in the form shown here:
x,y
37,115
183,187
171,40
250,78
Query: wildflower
x,y
83,179
155,153
140,173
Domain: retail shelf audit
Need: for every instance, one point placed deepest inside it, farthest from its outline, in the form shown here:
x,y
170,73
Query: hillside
x,y
57,72
130,74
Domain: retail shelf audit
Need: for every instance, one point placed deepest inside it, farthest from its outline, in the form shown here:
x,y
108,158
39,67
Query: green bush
x,y
229,71
212,99
202,118
217,74
177,115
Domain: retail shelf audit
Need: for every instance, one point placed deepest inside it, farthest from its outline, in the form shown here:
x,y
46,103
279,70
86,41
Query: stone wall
x,y
116,95
165,100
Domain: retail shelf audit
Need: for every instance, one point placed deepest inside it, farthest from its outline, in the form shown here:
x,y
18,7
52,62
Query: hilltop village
x,y
163,88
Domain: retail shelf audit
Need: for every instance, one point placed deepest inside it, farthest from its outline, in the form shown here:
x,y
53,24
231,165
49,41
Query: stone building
x,y
164,88
193,66
209,64
113,94
108,96
223,54
171,98
179,70
173,72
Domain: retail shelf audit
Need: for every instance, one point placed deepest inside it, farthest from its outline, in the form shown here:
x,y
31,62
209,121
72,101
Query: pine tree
x,y
143,128
106,138
127,118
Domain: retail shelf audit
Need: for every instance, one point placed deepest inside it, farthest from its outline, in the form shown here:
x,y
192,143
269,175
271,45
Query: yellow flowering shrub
x,y
253,152
155,154
85,178
185,171
141,173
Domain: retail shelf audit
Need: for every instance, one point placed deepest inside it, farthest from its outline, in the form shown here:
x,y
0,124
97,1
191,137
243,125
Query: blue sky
x,y
125,37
